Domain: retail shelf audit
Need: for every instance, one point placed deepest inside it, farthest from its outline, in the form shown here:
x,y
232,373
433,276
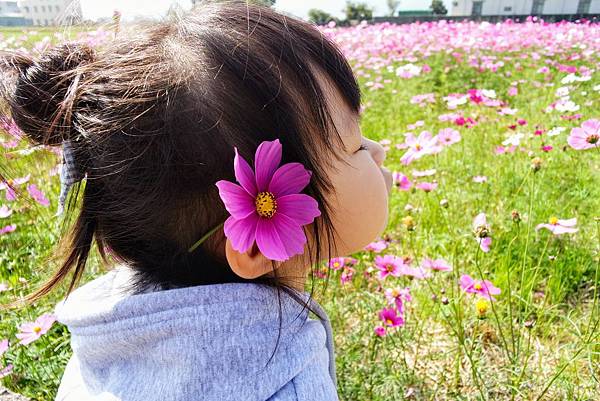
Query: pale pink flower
x,y
585,137
8,229
423,173
31,331
436,265
6,371
10,192
37,195
480,178
376,246
416,272
558,226
483,288
427,186
3,346
448,136
398,296
3,287
5,211
419,146
482,232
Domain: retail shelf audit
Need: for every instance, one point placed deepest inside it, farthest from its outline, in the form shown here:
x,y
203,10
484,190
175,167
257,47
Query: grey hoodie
x,y
208,342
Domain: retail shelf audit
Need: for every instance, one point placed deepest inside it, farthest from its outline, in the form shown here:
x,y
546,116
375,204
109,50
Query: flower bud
x,y
516,217
536,163
445,300
444,203
409,223
529,324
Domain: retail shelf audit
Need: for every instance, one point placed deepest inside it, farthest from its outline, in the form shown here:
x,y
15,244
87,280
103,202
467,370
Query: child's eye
x,y
362,147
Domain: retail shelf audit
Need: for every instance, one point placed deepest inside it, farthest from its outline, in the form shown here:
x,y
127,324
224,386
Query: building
x,y
10,15
524,7
51,12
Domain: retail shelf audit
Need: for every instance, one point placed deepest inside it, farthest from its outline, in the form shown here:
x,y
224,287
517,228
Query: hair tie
x,y
70,173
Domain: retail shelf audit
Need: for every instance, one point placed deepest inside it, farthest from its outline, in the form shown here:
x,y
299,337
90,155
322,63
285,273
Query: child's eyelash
x,y
363,147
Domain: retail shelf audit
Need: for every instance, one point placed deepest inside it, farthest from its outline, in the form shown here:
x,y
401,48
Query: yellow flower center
x,y
418,147
389,267
594,138
336,264
266,205
395,293
477,286
37,329
10,182
553,221
482,306
389,322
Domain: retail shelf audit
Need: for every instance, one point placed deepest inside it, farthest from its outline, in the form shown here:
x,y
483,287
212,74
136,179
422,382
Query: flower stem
x,y
208,234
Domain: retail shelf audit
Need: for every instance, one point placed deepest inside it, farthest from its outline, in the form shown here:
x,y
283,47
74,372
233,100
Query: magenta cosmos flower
x,y
267,207
558,226
31,331
585,137
483,288
390,318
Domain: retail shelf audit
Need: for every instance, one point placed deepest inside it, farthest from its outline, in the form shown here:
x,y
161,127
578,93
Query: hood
x,y
176,344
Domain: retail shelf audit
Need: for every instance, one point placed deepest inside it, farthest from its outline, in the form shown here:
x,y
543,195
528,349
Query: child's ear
x,y
250,264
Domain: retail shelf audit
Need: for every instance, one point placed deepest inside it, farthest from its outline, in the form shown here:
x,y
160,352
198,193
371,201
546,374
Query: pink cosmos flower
x,y
585,137
482,232
389,264
6,371
437,264
37,195
376,246
423,173
379,331
3,346
390,318
336,263
480,178
30,332
420,146
398,296
483,288
347,275
267,207
448,136
401,181
416,272
427,186
558,226
5,211
3,287
10,184
8,229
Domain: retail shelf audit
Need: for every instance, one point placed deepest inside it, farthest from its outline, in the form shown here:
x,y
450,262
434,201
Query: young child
x,y
162,122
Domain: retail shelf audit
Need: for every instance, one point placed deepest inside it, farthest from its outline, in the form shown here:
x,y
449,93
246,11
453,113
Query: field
x,y
485,284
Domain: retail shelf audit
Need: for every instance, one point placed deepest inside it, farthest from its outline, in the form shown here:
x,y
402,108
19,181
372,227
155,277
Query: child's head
x,y
155,115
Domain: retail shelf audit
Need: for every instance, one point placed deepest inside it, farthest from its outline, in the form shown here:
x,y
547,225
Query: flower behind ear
x,y
267,207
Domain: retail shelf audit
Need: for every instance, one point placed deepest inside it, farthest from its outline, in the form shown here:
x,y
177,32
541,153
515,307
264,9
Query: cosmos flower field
x,y
484,285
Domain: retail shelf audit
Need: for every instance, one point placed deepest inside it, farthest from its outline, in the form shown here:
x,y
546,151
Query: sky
x,y
94,9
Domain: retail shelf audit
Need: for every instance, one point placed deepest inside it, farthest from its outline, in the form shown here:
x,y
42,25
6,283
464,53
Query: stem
x,y
208,234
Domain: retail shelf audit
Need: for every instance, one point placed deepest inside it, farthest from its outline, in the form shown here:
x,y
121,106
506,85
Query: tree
x,y
319,17
438,7
358,11
393,6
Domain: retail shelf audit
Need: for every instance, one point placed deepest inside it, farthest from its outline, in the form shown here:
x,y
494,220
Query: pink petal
x,y
568,222
563,230
241,232
291,178
237,201
280,237
6,371
268,241
291,233
299,207
266,161
244,174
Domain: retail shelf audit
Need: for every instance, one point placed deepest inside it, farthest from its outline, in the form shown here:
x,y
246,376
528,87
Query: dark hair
x,y
155,115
